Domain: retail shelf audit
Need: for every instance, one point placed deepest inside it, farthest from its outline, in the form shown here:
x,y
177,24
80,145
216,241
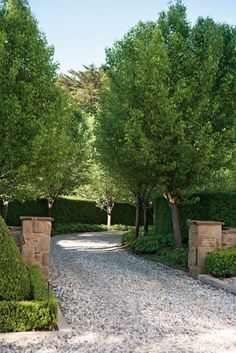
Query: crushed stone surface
x,y
117,302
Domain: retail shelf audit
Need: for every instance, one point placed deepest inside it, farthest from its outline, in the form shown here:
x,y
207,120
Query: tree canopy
x,y
29,97
168,110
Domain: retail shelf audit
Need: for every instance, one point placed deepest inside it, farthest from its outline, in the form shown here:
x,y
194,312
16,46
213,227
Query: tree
x,y
83,87
112,142
28,93
64,157
104,189
169,108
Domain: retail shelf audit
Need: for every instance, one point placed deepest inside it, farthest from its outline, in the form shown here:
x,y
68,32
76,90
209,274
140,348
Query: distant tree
x,y
28,93
63,160
115,152
83,87
167,114
104,189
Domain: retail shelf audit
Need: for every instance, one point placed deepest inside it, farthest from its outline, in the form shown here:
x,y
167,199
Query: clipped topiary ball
x,y
14,279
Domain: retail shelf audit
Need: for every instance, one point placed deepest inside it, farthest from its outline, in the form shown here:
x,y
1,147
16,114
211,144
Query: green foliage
x,y
71,211
63,157
14,281
38,313
30,100
208,206
149,243
83,87
168,107
177,256
161,247
128,239
221,262
26,208
79,228
146,244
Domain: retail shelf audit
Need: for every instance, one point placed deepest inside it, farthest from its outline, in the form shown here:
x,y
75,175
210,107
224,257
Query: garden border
x,y
217,283
62,329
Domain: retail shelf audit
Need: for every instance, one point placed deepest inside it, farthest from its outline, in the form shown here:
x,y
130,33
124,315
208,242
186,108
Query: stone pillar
x,y
204,237
36,233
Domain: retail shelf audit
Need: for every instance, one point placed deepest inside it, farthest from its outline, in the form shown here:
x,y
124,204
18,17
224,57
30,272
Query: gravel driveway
x,y
117,302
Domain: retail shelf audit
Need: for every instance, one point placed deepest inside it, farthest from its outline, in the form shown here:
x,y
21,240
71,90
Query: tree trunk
x,y
175,220
108,219
5,208
138,214
145,216
50,205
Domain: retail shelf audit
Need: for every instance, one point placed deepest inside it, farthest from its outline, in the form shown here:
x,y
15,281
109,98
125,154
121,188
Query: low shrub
x,y
38,313
146,244
178,256
160,248
221,262
79,228
14,279
121,227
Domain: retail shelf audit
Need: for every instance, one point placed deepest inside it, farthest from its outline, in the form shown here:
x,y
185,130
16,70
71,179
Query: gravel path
x,y
117,302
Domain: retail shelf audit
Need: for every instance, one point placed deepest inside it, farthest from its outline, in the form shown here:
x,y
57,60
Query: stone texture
x,y
204,237
35,241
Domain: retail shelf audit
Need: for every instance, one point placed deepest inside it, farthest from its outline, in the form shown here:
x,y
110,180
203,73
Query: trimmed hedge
x,y
79,227
38,313
67,211
212,206
221,262
14,279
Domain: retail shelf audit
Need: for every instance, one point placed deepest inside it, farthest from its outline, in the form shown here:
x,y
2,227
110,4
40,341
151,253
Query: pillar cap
x,y
23,218
205,222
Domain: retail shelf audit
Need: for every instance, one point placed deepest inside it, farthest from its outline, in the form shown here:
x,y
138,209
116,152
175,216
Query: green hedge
x,y
67,211
14,279
38,313
79,227
211,206
221,262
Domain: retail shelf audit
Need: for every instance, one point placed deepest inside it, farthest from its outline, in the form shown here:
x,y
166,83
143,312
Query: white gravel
x,y
117,302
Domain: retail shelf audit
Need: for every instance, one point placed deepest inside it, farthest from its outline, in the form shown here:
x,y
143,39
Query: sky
x,y
80,30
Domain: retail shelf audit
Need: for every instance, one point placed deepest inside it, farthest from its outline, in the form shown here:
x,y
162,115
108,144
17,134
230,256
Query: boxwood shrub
x,y
221,262
38,313
14,279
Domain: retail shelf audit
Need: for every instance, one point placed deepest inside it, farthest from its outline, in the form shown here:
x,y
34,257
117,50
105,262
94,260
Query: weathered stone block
x,y
38,226
27,227
45,260
204,229
201,255
44,244
192,257
48,227
216,230
38,259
